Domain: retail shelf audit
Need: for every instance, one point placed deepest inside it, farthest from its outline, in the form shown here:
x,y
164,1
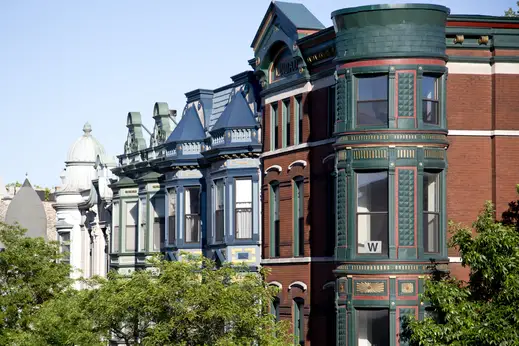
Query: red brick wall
x,y
506,103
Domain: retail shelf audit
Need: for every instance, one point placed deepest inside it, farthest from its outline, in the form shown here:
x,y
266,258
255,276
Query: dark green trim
x,y
483,60
388,267
386,7
388,55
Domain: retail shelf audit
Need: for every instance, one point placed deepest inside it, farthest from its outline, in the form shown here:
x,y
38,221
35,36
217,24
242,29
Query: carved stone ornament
x,y
370,287
407,287
459,39
483,40
258,60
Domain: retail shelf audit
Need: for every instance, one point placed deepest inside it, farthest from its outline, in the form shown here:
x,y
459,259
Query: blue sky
x,y
64,62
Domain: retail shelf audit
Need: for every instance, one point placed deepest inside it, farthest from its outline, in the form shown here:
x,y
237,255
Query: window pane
x,y
286,114
372,327
372,233
115,228
430,111
431,191
131,221
142,231
243,208
219,194
172,198
192,217
429,88
372,88
192,199
431,232
372,192
372,113
158,234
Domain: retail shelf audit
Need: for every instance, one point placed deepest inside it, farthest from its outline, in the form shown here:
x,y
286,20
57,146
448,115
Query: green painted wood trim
x,y
273,110
297,108
392,252
272,240
385,7
295,218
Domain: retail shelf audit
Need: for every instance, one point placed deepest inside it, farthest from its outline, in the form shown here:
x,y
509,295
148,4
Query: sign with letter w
x,y
374,246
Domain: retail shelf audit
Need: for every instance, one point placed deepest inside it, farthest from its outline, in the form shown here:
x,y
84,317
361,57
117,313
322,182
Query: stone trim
x,y
294,260
483,68
454,259
484,133
318,84
297,147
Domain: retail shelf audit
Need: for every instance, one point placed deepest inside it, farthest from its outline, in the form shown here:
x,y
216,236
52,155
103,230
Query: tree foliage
x,y
189,302
511,12
484,310
30,275
511,216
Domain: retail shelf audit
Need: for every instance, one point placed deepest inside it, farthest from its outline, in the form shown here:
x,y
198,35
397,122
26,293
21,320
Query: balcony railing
x,y
243,222
192,228
219,225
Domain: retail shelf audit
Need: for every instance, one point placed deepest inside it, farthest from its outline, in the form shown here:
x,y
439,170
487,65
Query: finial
x,y
87,129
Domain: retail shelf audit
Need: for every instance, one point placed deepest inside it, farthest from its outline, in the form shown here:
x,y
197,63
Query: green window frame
x,y
286,122
372,100
299,321
130,227
274,125
274,308
431,212
298,214
298,120
431,99
219,212
274,219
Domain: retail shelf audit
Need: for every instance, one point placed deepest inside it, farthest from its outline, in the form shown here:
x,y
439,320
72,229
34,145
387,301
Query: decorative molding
x,y
484,133
455,259
274,168
300,284
370,287
297,163
296,260
297,147
277,284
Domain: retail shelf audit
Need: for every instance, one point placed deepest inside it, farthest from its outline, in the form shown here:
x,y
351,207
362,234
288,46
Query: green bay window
x,y
131,223
299,321
192,214
243,208
159,219
372,327
430,100
219,214
372,213
172,212
431,212
274,220
298,214
372,101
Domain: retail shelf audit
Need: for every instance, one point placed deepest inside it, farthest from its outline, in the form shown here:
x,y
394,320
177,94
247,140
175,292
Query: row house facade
x,y
336,162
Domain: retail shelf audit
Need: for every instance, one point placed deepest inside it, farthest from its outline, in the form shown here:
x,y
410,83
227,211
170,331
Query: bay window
x,y
431,212
430,103
372,213
372,100
115,228
192,214
220,211
243,208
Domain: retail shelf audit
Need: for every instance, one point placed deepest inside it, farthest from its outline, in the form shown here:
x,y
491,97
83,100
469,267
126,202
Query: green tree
x,y
484,310
190,302
511,13
30,276
511,216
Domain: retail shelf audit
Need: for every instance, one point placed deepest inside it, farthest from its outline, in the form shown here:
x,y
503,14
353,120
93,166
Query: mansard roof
x,y
189,129
220,101
237,114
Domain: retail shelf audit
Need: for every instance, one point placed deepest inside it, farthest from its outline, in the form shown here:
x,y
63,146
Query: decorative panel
x,y
406,94
341,100
369,154
342,216
407,288
342,327
435,154
363,287
402,313
406,207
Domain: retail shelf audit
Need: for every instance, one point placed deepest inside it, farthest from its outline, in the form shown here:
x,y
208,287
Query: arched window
x,y
299,320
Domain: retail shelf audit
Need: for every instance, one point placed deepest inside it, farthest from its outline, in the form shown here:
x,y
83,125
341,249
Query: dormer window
x,y
372,101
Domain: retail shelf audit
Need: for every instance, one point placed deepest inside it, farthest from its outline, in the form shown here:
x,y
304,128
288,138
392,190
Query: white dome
x,y
85,148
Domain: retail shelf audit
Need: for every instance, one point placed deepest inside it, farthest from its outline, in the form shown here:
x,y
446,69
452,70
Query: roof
x,y
27,209
189,128
220,100
85,148
237,114
299,15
